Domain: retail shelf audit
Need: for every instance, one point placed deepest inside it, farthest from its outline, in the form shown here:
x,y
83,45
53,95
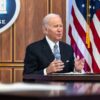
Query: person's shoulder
x,y
35,44
65,44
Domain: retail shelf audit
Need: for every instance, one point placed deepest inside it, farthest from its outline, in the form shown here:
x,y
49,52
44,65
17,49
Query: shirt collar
x,y
51,43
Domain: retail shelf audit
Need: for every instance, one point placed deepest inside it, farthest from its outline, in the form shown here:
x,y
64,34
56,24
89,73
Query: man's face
x,y
55,29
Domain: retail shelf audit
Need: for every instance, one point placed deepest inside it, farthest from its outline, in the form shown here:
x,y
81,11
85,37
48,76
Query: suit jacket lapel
x,y
62,50
47,51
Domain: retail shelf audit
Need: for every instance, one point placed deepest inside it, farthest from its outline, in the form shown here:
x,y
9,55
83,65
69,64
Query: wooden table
x,y
64,77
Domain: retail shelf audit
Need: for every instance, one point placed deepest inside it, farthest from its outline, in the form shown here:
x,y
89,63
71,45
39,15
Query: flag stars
x,y
93,7
83,5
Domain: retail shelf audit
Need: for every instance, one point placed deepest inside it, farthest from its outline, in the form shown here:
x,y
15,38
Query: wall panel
x,y
6,46
59,7
6,75
28,26
18,73
25,30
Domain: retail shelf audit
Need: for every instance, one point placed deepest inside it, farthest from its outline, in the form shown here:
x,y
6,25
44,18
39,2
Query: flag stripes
x,y
77,35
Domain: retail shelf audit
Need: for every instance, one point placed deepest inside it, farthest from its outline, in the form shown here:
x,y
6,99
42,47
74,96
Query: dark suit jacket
x,y
39,56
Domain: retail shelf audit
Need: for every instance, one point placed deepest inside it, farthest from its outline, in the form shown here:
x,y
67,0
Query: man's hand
x,y
55,66
79,64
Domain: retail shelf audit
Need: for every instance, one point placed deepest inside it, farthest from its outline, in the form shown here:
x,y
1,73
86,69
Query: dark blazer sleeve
x,y
39,55
70,61
67,57
31,62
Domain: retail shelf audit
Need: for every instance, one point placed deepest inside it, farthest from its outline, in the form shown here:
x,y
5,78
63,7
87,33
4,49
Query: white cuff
x,y
45,73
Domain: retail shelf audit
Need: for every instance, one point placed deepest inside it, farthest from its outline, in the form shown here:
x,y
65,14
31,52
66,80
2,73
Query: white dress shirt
x,y
51,44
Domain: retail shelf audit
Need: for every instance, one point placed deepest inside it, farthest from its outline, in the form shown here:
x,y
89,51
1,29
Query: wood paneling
x,y
25,30
6,75
18,74
6,46
59,7
28,26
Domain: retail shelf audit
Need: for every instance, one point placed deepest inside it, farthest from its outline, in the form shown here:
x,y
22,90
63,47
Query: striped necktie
x,y
57,52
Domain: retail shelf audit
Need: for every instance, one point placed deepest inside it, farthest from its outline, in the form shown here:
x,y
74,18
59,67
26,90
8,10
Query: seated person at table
x,y
43,59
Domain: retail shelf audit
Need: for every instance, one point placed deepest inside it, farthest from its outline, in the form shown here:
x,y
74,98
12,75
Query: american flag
x,y
84,32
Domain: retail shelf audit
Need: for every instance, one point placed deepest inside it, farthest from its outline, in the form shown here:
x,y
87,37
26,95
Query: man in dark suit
x,y
40,57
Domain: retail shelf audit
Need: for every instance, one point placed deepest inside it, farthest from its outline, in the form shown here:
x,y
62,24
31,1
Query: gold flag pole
x,y
88,24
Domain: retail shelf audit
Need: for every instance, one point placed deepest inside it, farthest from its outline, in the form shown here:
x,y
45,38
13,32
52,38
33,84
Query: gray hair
x,y
48,17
